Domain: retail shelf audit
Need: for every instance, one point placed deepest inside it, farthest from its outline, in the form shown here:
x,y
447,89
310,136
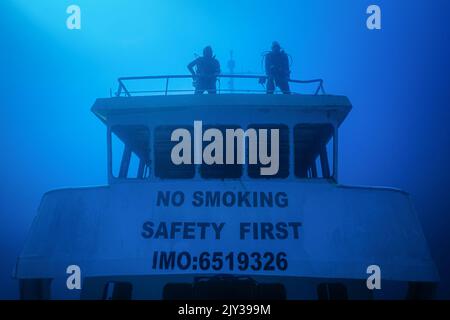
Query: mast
x,y
231,66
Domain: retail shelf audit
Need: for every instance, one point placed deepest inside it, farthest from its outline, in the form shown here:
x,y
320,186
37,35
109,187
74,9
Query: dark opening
x,y
118,291
332,291
222,171
313,150
254,170
35,289
130,152
421,290
178,291
224,287
164,167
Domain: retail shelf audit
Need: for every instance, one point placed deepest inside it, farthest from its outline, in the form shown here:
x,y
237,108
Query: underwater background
x,y
397,78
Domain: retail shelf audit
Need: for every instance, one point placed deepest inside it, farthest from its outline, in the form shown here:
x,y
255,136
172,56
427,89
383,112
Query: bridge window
x,y
164,167
313,150
178,291
332,291
118,291
130,147
254,170
223,171
35,289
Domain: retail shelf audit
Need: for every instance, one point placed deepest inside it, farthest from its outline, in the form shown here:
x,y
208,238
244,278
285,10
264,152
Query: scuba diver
x,y
207,68
277,69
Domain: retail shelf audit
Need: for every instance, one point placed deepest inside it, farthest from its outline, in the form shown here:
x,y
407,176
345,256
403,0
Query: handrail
x,y
123,89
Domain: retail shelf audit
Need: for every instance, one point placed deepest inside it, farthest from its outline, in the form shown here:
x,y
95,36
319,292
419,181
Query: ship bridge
x,y
140,122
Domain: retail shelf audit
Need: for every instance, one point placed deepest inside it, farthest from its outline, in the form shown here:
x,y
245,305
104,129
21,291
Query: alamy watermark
x,y
73,21
373,22
234,140
73,281
374,280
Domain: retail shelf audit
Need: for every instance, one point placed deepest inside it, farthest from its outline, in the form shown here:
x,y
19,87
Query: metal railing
x,y
123,90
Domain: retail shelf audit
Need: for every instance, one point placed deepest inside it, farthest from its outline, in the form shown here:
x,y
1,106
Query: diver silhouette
x,y
277,69
207,68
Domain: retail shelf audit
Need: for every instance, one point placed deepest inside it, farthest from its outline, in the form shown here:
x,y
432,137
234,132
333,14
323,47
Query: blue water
x,y
398,80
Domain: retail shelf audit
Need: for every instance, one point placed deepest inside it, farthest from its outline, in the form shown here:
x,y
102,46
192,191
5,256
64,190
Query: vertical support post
x,y
151,156
167,85
140,174
335,153
324,162
109,154
314,169
125,163
292,153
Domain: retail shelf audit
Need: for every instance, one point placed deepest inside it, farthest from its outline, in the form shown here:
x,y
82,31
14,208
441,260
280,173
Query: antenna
x,y
231,66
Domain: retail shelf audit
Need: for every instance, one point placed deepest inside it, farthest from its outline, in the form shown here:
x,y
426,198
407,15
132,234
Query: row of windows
x,y
205,290
41,289
132,154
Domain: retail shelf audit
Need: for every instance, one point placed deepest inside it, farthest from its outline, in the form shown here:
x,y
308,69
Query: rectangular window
x,y
254,170
118,291
130,146
223,171
164,167
314,145
332,291
35,289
